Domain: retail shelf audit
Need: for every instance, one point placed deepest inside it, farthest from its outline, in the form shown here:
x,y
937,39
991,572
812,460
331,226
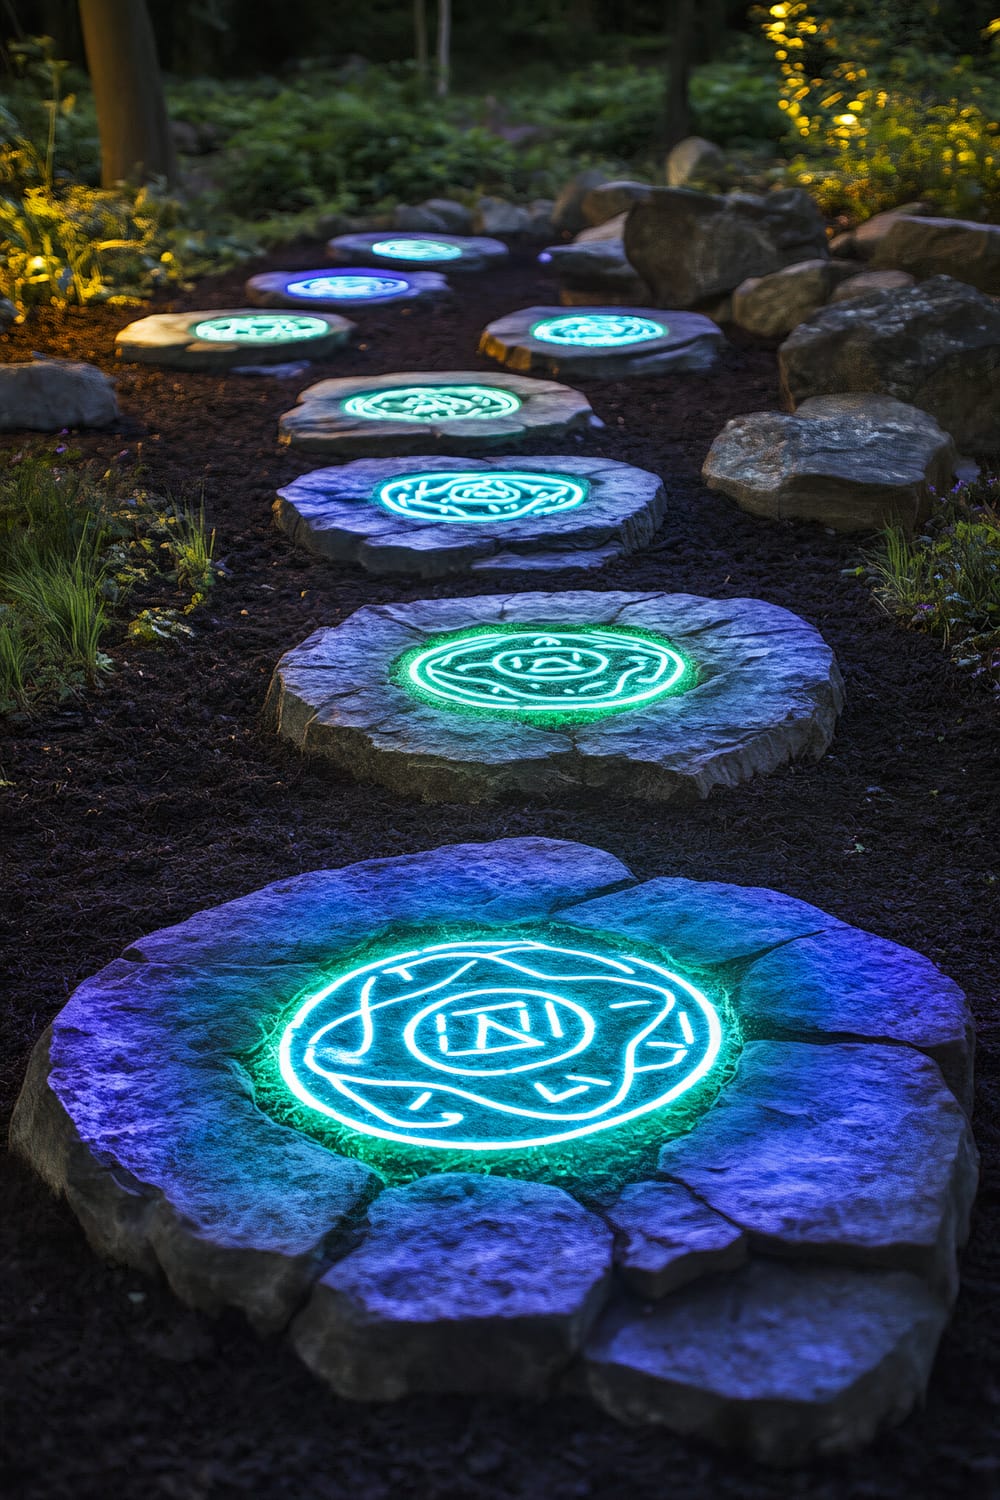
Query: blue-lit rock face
x,y
353,288
609,342
478,496
349,287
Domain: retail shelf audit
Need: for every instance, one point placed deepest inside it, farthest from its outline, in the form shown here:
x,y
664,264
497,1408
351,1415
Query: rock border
x,y
167,339
319,424
479,251
798,1246
766,688
691,343
270,289
331,512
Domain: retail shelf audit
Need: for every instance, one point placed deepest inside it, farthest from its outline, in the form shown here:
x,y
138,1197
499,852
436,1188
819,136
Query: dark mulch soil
x,y
163,794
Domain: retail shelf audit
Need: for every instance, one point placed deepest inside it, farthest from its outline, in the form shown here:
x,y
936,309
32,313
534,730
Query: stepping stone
x,y
46,395
455,411
427,516
935,345
546,695
779,1288
408,251
854,463
604,342
359,287
225,338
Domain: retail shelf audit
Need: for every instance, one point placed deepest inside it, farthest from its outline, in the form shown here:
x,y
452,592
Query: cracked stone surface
x,y
764,688
444,1293
335,513
272,289
780,1289
854,463
690,342
168,339
320,424
477,252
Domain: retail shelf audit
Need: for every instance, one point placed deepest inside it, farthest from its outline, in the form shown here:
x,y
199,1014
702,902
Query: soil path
x,y
162,794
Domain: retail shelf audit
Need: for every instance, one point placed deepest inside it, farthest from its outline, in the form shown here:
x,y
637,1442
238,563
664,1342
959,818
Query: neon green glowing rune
x,y
494,1043
260,328
424,250
480,495
598,330
534,670
433,403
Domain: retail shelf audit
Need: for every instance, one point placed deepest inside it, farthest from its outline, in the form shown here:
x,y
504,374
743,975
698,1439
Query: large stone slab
x,y
433,518
445,1292
854,463
935,345
693,247
849,1152
221,338
454,411
424,251
783,1362
46,395
344,290
942,247
761,688
603,342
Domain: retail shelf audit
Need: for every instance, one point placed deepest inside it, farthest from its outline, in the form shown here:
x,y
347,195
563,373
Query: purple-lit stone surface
x,y
780,1287
342,289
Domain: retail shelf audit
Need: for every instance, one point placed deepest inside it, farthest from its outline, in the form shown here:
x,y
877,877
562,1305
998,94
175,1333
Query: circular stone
x,y
458,411
227,337
648,696
783,1305
606,342
450,252
361,287
433,517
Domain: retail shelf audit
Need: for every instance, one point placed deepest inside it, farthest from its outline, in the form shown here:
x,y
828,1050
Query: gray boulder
x,y
854,463
597,267
691,247
951,247
935,345
864,239
567,211
47,395
456,218
863,283
497,216
695,160
611,229
610,199
773,305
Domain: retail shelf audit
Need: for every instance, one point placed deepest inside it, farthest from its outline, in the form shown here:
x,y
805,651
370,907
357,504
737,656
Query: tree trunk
x,y
443,46
136,143
421,48
677,108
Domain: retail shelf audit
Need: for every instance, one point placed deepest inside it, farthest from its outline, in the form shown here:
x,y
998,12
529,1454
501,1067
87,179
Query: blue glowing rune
x,y
597,330
259,328
349,287
538,671
492,1044
424,250
480,495
433,403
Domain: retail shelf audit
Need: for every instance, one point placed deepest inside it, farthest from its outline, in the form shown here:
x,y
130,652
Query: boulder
x,y
863,240
935,345
418,217
611,229
567,211
691,247
540,217
854,462
773,305
597,266
46,395
863,283
610,199
497,216
456,218
951,247
695,160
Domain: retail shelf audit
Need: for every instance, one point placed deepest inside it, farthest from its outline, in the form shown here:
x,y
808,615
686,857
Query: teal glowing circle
x,y
349,288
433,403
480,495
496,1044
597,330
533,670
426,250
260,328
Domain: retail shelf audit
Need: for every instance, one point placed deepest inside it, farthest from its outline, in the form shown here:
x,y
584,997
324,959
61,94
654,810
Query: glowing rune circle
x,y
493,1044
597,330
535,670
480,495
261,328
417,250
350,288
433,403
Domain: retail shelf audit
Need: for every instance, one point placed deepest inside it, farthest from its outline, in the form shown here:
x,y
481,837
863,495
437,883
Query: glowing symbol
x,y
496,1043
260,328
480,495
417,250
597,330
348,287
433,403
534,670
